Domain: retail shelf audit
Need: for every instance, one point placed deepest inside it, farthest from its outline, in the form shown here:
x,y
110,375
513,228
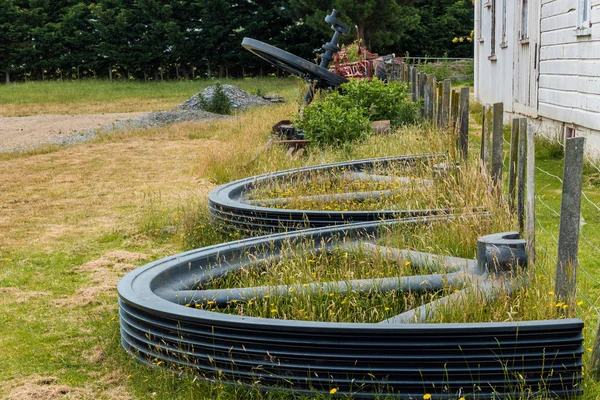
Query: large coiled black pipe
x,y
233,212
474,360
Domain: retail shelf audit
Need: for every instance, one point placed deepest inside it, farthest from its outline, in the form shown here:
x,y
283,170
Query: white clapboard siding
x,y
569,84
554,75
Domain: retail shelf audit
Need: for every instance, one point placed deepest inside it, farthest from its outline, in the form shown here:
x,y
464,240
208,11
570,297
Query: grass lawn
x,y
102,96
74,220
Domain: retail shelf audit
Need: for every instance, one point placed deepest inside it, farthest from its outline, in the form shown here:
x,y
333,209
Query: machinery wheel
x,y
293,64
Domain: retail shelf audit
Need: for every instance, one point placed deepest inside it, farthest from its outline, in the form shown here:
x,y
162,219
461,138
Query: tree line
x,y
185,39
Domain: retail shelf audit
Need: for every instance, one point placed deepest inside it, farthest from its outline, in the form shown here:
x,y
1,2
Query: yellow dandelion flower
x,y
266,296
580,303
387,309
406,264
273,310
453,41
333,391
426,396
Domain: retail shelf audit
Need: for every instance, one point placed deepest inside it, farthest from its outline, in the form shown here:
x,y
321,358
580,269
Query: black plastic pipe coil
x,y
477,360
231,213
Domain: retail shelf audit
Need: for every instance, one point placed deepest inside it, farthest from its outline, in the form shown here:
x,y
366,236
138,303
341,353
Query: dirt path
x,y
27,132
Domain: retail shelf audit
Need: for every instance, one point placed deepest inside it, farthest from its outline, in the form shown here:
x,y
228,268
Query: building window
x,y
492,56
569,132
524,36
584,23
504,43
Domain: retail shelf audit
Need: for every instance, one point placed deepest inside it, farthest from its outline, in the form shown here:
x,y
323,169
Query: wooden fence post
x,y
440,99
455,98
512,164
401,71
422,85
570,215
447,86
485,136
414,82
497,139
521,175
530,220
427,97
464,121
432,98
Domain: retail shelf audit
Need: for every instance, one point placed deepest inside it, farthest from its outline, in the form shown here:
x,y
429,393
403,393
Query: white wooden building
x,y
542,60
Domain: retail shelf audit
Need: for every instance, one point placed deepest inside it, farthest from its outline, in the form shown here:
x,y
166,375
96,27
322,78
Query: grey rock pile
x,y
240,100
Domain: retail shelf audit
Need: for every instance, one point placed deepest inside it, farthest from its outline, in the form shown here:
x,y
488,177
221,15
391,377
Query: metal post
x,y
512,164
497,139
570,215
521,175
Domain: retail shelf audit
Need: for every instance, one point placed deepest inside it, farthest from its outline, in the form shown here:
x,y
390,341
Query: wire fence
x,y
549,182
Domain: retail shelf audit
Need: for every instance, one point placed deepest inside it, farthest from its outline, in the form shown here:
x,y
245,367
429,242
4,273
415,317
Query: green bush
x,y
382,100
343,117
219,103
331,122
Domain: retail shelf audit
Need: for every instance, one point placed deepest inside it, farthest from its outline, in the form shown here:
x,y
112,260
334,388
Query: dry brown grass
x,y
118,106
93,188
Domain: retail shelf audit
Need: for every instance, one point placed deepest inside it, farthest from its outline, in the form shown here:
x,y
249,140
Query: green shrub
x,y
343,117
382,100
219,103
332,122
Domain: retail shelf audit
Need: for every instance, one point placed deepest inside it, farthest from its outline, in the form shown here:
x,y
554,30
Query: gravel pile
x,y
240,100
190,110
155,119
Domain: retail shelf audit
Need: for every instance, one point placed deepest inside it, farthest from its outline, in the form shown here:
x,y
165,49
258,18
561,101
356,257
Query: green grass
x,y
145,192
95,96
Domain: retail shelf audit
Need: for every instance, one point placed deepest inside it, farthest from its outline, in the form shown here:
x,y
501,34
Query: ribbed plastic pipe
x,y
366,360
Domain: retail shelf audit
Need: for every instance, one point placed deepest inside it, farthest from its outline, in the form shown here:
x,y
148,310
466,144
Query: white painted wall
x,y
565,88
494,78
569,66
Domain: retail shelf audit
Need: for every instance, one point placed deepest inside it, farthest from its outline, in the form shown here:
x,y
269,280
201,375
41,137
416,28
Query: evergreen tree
x,y
381,23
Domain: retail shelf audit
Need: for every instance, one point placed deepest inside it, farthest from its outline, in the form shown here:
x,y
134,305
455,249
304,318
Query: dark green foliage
x,y
155,40
219,103
381,23
441,22
345,117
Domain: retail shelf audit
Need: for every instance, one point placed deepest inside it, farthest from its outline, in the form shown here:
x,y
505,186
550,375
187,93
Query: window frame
x,y
584,18
524,29
480,22
504,43
492,56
